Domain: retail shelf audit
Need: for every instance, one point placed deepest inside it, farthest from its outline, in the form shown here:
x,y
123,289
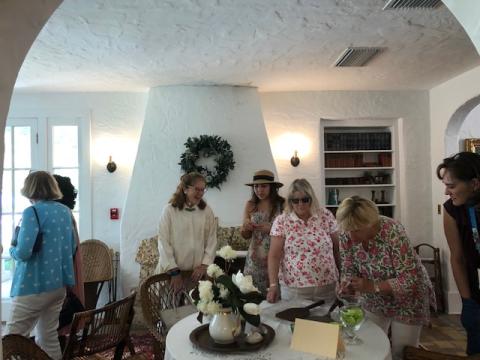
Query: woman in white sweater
x,y
187,237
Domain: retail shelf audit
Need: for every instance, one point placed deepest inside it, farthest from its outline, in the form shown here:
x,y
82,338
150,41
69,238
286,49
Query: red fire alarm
x,y
114,214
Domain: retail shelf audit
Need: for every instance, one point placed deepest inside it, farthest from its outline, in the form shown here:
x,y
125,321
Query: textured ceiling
x,y
275,45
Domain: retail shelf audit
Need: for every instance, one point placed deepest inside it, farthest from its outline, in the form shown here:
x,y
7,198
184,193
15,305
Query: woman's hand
x,y
199,272
248,226
272,294
264,227
363,285
176,283
345,288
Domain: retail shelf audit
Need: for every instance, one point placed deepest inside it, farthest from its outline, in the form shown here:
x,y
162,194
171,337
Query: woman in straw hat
x,y
260,211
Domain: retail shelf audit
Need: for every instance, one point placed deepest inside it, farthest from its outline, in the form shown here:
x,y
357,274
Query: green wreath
x,y
206,146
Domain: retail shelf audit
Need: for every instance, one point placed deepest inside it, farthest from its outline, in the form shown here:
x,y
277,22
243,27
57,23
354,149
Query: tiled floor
x,y
446,335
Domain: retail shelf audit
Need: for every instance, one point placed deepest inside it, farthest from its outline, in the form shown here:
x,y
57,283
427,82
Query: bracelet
x,y
271,287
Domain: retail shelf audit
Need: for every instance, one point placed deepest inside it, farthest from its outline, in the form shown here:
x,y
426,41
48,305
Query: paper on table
x,y
316,338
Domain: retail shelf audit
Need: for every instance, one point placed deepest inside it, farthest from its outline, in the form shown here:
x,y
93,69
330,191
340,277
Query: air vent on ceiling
x,y
357,56
409,4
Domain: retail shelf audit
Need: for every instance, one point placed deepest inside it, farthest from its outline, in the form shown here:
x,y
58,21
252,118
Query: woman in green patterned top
x,y
260,211
378,261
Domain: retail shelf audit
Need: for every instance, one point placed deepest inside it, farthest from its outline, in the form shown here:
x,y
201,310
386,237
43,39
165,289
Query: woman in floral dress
x,y
303,253
378,261
260,211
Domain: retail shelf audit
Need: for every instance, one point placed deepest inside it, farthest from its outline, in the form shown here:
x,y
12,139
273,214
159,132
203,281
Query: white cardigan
x,y
186,239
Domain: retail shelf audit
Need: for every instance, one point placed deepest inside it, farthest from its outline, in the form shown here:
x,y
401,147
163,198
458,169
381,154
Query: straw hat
x,y
264,177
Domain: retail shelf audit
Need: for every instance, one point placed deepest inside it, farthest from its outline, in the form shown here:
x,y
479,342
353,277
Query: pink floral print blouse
x,y
390,257
308,258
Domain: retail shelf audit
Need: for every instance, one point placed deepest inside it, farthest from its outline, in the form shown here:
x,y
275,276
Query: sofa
x,y
147,253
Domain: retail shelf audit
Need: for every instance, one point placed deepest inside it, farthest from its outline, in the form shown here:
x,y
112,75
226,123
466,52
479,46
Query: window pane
x,y
22,147
20,202
7,191
65,146
7,231
7,272
7,160
73,175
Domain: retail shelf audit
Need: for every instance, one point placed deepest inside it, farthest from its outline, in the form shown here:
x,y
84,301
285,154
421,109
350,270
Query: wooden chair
x,y
413,353
97,269
95,331
18,347
430,257
156,296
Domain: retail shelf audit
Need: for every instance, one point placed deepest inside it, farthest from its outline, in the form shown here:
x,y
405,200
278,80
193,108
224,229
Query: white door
x,y
58,145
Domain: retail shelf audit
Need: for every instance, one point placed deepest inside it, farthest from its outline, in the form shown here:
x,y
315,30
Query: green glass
x,y
352,317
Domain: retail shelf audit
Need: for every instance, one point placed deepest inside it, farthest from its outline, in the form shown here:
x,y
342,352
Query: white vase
x,y
225,326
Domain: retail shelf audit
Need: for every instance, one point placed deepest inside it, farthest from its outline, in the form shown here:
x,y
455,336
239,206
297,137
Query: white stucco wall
x,y
446,101
21,21
300,112
172,115
116,122
467,13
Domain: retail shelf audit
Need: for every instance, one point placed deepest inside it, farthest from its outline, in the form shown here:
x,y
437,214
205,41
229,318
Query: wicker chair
x,y
156,296
95,331
97,269
413,353
18,347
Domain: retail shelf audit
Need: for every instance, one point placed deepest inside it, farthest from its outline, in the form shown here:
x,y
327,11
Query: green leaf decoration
x,y
208,146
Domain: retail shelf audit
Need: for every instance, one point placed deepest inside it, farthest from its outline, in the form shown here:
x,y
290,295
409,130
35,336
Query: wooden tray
x,y
201,338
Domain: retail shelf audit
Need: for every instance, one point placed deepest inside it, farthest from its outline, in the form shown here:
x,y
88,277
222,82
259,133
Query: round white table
x,y
375,345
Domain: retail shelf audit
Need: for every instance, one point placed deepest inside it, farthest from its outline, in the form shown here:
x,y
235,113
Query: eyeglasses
x,y
198,190
304,200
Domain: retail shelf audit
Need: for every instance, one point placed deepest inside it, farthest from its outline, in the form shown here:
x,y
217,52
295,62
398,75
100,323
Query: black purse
x,y
38,241
71,305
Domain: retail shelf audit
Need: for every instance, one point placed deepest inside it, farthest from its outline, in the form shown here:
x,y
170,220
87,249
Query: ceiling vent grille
x,y
357,56
410,4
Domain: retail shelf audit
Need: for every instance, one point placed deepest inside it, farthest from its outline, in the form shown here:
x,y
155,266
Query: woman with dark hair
x,y
260,211
461,176
43,270
69,195
187,237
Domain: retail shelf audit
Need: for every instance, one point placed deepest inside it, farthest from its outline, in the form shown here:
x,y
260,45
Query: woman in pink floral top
x,y
378,261
302,249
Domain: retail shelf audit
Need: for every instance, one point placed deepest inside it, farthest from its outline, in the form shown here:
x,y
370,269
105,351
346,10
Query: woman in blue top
x,y
460,174
40,277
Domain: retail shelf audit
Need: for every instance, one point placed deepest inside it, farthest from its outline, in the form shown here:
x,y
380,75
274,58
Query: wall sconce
x,y
111,166
295,159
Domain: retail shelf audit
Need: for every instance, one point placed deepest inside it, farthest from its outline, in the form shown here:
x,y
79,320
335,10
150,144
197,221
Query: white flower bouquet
x,y
223,291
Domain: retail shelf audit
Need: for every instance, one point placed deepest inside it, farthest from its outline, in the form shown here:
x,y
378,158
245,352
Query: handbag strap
x,y
36,215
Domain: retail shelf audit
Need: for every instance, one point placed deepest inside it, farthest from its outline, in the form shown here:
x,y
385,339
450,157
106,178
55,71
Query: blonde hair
x,y
40,185
302,185
356,212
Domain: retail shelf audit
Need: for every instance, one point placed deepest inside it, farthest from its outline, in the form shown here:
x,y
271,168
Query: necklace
x,y
189,207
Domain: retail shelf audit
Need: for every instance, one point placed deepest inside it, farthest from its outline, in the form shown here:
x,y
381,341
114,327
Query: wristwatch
x,y
174,272
376,288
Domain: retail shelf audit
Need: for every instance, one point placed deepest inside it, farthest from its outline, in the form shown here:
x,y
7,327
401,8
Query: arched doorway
x,y
460,126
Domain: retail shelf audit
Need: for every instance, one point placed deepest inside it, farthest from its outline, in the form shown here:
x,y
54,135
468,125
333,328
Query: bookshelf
x,y
359,157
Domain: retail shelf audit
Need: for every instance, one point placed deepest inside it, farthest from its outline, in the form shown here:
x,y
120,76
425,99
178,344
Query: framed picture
x,y
472,145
